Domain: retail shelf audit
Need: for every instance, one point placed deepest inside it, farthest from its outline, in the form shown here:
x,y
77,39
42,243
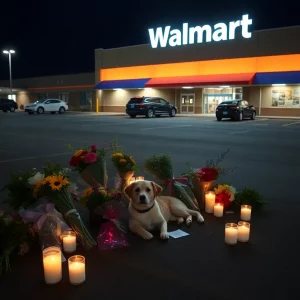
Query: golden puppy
x,y
149,211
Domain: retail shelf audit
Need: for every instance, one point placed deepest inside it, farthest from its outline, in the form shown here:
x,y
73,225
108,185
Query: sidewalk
x,y
178,115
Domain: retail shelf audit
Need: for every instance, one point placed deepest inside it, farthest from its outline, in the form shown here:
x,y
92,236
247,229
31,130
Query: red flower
x,y
94,148
208,174
74,161
223,198
90,157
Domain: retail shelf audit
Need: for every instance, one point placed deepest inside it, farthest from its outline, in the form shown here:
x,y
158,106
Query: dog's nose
x,y
143,199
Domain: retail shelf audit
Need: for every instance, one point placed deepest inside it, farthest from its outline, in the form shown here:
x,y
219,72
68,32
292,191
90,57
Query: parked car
x,y
48,105
150,107
235,110
8,105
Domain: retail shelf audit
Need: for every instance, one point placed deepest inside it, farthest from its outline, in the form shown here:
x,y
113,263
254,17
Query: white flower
x,y
72,189
232,193
36,178
65,171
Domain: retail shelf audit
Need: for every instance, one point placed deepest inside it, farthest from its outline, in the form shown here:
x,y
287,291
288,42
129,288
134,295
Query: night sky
x,y
57,37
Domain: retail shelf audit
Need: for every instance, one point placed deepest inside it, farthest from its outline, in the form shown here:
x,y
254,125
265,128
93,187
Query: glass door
x,y
187,104
210,102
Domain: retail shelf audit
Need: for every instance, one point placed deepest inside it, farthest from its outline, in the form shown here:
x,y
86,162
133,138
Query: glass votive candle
x,y
76,266
210,199
246,212
243,231
52,265
139,178
69,241
231,233
218,210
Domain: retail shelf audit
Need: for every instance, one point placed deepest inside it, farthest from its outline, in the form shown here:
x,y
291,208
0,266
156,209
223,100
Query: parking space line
x,y
236,132
165,127
289,124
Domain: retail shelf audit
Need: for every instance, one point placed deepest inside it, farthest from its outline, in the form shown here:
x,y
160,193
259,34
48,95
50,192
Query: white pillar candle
x,y
246,212
231,233
76,269
210,198
139,178
52,265
218,210
69,241
243,231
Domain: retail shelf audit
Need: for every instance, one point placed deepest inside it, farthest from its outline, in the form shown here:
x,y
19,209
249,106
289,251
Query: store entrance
x,y
211,101
187,104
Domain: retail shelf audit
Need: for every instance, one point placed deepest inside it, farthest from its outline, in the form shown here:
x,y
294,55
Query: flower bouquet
x,y
203,179
225,194
16,237
125,165
91,165
160,166
54,187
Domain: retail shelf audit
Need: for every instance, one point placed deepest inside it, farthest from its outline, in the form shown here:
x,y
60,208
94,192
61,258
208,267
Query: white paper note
x,y
177,234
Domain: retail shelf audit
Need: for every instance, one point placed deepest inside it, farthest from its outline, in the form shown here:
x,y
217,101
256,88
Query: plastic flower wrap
x,y
112,232
161,167
225,194
91,165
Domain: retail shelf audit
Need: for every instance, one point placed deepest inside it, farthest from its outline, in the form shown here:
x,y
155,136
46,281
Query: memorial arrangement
x,y
46,205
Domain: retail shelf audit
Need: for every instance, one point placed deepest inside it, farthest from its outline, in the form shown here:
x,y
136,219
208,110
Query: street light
x,y
9,52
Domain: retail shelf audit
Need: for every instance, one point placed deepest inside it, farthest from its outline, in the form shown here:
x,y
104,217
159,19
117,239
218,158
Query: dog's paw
x,y
164,236
147,236
180,220
189,220
200,219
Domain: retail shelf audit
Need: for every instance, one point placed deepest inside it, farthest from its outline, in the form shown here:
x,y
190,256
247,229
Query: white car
x,y
48,105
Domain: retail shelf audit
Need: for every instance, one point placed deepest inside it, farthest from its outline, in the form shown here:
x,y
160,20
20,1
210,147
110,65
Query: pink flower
x,y
90,157
94,148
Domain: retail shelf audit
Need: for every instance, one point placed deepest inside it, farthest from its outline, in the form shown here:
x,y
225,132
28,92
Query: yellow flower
x,y
102,191
222,188
38,186
87,193
57,182
117,155
123,160
78,153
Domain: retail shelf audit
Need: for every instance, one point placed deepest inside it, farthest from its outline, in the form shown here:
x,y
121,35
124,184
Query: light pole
x,y
9,52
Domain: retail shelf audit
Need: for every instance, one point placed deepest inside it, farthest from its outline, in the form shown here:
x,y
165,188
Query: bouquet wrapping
x,y
112,232
160,166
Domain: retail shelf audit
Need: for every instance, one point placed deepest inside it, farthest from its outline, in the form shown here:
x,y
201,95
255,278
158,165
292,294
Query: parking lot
x,y
265,153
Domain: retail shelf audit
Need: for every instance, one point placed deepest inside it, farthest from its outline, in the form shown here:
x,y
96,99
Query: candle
x,y
218,210
76,269
243,231
210,199
231,233
132,179
139,178
246,212
52,265
69,241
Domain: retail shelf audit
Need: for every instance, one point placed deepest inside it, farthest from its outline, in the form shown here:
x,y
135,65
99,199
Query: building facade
x,y
263,69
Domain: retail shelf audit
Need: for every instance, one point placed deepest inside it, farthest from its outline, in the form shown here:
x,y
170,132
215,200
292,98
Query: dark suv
x,y
8,105
235,110
150,107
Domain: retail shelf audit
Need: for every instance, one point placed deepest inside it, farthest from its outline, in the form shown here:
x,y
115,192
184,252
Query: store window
x,y
86,98
64,97
42,96
287,97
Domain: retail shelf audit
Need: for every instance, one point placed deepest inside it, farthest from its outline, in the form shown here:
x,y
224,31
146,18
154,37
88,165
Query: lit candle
x,y
231,233
210,198
218,210
52,265
139,178
132,179
246,212
69,241
243,231
76,269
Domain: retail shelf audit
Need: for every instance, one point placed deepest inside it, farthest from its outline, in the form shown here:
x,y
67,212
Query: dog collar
x,y
144,210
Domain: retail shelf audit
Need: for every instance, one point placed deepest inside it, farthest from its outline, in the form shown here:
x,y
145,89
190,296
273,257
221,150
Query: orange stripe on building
x,y
62,87
278,63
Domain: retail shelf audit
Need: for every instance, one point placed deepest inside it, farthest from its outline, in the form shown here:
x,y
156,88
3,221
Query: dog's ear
x,y
157,189
129,189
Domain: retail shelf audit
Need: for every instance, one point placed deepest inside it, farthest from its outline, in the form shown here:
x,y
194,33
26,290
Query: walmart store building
x,y
196,73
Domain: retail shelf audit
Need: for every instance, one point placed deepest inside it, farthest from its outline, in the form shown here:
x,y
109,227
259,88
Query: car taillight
x,y
141,104
235,107
218,107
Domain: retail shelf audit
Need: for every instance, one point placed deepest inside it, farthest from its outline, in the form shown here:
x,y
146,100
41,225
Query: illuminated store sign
x,y
163,37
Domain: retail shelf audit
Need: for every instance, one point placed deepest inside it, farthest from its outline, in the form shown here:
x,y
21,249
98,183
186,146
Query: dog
x,y
149,211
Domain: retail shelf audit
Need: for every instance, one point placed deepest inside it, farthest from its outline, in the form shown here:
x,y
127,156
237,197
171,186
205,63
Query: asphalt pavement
x,y
265,153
